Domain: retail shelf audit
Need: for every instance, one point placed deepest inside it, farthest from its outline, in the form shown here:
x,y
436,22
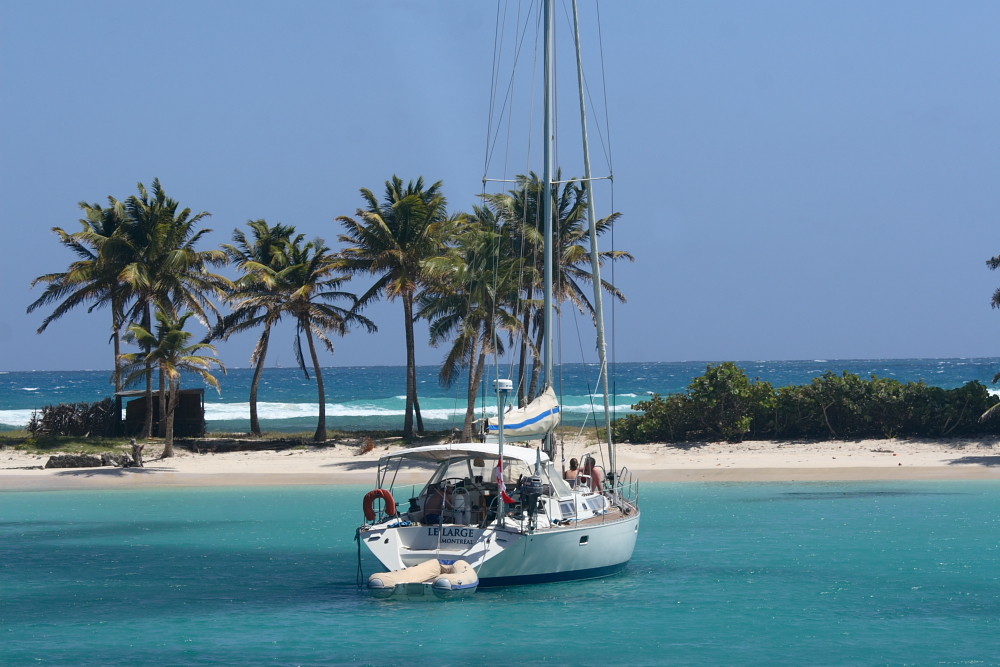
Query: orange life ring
x,y
386,496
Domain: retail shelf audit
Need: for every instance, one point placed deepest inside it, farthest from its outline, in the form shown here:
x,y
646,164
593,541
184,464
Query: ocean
x,y
373,397
875,573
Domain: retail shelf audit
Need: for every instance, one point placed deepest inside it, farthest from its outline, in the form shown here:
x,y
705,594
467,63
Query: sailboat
x,y
503,508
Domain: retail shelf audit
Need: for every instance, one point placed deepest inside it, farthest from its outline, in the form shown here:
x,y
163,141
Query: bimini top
x,y
435,453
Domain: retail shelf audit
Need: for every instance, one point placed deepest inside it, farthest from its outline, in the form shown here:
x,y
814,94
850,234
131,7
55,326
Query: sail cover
x,y
528,423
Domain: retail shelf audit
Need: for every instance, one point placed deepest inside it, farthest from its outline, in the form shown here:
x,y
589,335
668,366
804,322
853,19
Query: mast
x,y
548,104
595,259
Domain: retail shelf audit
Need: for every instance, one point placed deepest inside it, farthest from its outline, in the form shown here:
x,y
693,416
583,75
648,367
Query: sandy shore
x,y
710,462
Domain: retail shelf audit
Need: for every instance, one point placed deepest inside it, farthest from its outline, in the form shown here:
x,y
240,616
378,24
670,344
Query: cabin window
x,y
597,503
566,508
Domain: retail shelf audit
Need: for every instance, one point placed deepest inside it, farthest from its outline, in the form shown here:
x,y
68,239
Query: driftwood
x,y
136,454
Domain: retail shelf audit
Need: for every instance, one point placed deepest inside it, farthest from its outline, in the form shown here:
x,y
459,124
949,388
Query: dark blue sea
x,y
876,573
372,397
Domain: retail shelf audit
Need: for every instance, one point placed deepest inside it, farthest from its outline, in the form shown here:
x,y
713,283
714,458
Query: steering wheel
x,y
452,481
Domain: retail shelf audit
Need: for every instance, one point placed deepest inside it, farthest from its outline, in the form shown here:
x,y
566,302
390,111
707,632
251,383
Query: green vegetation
x,y
30,443
75,419
475,277
168,350
137,256
261,261
393,240
724,404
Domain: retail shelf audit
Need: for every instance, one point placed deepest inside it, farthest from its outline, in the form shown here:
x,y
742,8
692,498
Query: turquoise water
x,y
750,574
373,397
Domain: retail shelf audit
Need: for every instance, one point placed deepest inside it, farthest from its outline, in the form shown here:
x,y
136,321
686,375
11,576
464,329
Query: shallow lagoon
x,y
779,573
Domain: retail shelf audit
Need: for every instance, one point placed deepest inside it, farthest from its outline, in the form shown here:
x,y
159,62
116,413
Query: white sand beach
x,y
710,462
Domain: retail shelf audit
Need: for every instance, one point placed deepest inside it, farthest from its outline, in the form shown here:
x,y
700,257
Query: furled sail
x,y
528,423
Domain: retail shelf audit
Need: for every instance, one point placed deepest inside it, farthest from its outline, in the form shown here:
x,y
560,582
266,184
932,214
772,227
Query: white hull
x,y
582,552
505,556
556,535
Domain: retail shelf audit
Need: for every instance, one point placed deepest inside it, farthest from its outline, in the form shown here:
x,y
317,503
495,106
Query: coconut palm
x,y
392,239
91,280
161,267
135,256
260,259
521,210
304,290
470,298
168,349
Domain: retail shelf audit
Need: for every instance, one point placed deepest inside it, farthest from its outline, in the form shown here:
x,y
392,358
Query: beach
x,y
750,461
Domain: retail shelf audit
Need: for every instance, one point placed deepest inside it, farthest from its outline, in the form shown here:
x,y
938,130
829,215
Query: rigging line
x,y
590,390
499,32
604,87
606,147
614,336
600,129
494,76
506,110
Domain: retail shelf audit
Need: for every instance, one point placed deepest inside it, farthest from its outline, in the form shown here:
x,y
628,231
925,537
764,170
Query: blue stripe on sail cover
x,y
526,422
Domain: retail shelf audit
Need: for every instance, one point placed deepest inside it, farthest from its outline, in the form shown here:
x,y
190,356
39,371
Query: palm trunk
x,y
416,413
536,367
475,377
258,371
148,425
522,362
168,419
320,434
161,423
116,341
411,372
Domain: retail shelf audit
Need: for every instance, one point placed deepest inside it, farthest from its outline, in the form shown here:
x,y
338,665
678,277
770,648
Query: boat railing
x,y
625,488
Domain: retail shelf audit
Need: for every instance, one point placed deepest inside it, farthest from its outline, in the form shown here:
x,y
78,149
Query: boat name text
x,y
453,535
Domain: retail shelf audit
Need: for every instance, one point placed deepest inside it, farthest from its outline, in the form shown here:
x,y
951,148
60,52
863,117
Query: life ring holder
x,y
369,503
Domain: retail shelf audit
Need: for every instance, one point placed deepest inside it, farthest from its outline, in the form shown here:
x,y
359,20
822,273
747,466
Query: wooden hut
x,y
189,418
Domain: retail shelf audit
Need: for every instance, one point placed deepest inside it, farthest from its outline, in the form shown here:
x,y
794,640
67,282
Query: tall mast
x,y
595,258
548,104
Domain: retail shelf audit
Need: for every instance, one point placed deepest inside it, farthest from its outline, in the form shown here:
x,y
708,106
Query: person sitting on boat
x,y
595,473
438,502
570,475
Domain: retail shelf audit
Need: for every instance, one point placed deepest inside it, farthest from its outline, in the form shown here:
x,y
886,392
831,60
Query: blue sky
x,y
797,180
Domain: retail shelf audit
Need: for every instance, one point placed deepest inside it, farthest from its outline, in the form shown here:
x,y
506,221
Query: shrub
x,y
76,419
724,404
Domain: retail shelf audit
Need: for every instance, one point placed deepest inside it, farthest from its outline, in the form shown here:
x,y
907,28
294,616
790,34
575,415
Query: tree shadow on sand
x,y
112,472
989,461
352,466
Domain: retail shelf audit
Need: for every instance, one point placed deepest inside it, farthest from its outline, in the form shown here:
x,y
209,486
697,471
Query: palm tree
x,y
91,280
304,289
169,350
261,260
470,299
392,239
521,210
161,267
136,255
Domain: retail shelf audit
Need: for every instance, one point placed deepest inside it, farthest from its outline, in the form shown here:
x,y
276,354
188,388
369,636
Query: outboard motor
x,y
531,489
